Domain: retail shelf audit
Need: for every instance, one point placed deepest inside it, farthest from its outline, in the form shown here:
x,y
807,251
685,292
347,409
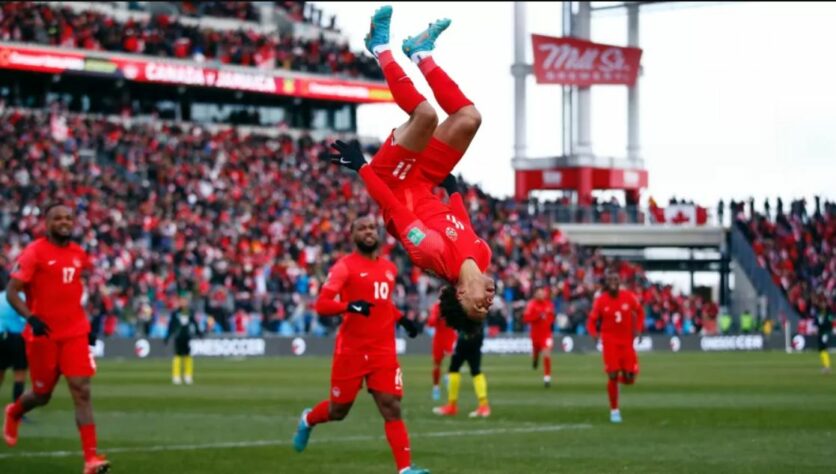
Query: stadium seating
x,y
162,35
250,224
798,248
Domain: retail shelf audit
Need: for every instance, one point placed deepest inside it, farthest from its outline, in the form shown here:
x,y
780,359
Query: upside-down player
x,y
444,340
359,287
619,318
419,155
57,334
539,313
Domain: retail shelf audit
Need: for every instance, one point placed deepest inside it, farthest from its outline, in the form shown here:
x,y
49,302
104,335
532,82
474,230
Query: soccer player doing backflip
x,y
619,318
360,287
417,156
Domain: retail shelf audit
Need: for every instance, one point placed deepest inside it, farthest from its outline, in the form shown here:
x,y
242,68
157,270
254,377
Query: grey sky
x,y
736,99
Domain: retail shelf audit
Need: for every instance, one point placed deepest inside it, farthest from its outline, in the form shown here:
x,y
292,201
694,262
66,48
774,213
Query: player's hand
x,y
39,328
360,307
409,326
91,338
450,185
348,155
638,337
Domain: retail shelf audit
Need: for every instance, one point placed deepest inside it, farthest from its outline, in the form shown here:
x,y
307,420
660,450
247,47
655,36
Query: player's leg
x,y
176,369
535,354
453,136
76,362
418,129
454,380
480,383
547,361
42,356
19,365
438,358
19,384
824,355
612,367
347,374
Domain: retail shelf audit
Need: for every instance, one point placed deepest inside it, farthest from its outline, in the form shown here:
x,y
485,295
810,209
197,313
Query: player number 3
x,y
618,316
68,273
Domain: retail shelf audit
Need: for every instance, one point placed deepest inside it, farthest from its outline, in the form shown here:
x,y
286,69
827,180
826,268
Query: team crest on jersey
x,y
625,306
416,236
451,234
336,391
76,263
390,276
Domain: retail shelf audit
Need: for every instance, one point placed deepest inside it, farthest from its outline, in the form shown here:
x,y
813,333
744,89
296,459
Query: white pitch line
x,y
279,442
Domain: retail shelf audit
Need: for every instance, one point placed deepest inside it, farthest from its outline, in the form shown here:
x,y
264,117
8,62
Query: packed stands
x,y
163,35
798,247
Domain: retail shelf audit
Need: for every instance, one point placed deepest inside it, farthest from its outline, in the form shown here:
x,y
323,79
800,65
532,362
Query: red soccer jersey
x,y
540,314
53,287
355,277
443,332
619,317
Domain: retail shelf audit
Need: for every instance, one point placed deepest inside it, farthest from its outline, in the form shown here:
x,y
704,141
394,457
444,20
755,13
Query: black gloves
x,y
360,307
39,328
409,326
349,155
450,185
91,338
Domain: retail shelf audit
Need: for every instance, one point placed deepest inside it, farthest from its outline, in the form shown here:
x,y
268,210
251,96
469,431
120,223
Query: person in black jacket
x,y
182,327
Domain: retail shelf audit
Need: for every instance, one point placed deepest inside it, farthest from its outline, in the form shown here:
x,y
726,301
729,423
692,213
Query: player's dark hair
x,y
453,312
52,205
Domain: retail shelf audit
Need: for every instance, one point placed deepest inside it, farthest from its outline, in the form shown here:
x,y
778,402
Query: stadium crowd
x,y
162,35
797,247
248,226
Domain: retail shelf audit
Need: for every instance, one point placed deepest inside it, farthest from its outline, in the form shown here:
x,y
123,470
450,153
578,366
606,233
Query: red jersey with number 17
x,y
53,286
355,277
619,317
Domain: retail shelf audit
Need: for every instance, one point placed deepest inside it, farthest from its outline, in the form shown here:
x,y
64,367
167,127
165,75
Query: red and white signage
x,y
579,62
140,69
680,214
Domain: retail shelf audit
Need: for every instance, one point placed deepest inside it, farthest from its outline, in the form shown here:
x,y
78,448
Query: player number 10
x,y
68,273
381,290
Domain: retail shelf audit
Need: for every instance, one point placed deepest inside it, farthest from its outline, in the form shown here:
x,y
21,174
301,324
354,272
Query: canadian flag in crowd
x,y
681,214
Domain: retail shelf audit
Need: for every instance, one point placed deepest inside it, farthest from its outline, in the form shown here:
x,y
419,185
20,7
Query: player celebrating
x,y
444,339
365,345
417,156
539,313
468,349
12,346
619,318
182,327
57,334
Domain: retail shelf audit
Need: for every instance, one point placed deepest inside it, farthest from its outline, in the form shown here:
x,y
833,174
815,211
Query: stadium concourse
x,y
248,225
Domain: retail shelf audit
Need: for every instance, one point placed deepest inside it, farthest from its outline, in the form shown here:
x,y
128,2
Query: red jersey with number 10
x,y
53,287
619,317
355,277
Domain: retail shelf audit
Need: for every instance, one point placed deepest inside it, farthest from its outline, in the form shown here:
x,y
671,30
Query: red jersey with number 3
x,y
619,317
53,286
355,277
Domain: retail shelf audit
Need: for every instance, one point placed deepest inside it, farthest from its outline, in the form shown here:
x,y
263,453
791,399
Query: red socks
x,y
547,366
319,414
399,442
88,440
403,90
17,409
612,390
436,375
446,91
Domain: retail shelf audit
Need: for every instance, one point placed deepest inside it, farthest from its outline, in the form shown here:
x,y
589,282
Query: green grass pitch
x,y
711,413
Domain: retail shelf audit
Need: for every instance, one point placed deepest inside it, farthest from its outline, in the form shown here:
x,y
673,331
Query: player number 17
x,y
68,273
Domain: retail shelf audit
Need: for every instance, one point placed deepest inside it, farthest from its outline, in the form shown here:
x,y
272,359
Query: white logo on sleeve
x,y
51,262
363,274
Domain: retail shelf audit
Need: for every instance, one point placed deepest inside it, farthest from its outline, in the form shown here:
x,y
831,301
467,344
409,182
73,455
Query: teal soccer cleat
x,y
615,416
379,30
303,433
425,40
414,470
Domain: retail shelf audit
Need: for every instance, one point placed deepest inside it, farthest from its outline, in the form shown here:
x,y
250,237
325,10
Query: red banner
x,y
140,69
579,62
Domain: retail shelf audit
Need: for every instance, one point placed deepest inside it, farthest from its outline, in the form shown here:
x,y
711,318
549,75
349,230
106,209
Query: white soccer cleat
x,y
188,380
176,380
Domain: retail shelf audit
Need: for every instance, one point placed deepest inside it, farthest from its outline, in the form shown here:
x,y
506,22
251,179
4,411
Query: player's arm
x,y
529,315
170,331
21,275
592,319
409,325
638,313
327,304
